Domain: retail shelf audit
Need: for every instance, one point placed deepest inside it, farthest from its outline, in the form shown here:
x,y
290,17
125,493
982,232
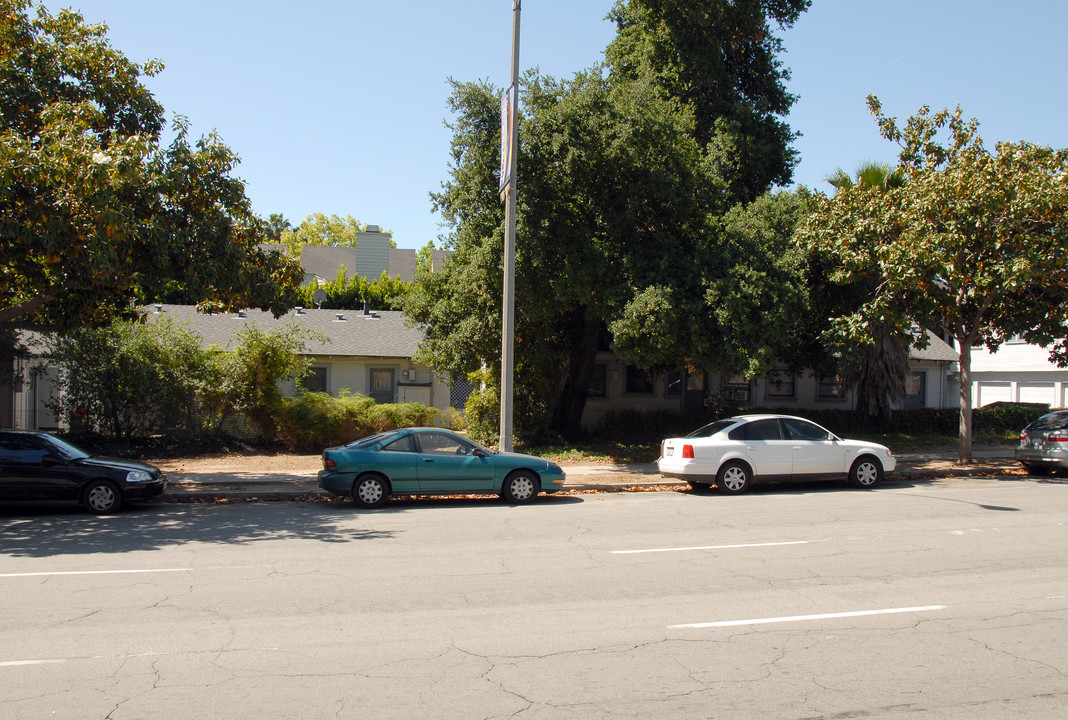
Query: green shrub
x,y
313,421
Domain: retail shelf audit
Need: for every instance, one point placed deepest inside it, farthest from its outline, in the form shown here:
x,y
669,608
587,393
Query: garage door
x,y
1044,393
992,392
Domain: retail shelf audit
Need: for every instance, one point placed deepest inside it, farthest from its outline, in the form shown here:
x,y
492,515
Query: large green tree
x,y
623,188
878,367
96,211
971,245
721,59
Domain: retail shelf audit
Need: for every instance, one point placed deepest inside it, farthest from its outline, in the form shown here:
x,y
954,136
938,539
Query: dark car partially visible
x,y
36,467
1044,443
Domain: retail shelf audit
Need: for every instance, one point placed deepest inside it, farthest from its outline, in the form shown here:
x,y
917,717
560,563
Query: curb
x,y
203,492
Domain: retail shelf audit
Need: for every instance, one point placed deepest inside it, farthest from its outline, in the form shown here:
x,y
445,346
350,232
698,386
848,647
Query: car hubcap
x,y
522,488
866,474
734,478
101,497
370,492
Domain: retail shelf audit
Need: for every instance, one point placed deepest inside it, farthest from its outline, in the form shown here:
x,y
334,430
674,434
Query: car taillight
x,y
1059,436
329,462
687,451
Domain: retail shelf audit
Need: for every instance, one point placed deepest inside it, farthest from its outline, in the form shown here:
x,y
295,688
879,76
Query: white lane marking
x,y
128,656
710,547
16,663
802,618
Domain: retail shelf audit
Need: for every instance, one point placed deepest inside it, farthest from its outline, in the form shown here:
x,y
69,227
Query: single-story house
x,y
368,353
934,381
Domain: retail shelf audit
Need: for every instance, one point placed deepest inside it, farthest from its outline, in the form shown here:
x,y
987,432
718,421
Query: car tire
x,y
370,491
866,473
1037,470
520,487
734,478
102,497
699,487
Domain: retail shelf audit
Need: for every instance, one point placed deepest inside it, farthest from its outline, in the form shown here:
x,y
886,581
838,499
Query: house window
x,y
638,382
315,380
382,385
780,384
599,381
831,388
673,380
916,390
736,388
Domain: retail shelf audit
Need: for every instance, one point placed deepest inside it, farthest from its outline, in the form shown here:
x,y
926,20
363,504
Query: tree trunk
x,y
575,386
964,448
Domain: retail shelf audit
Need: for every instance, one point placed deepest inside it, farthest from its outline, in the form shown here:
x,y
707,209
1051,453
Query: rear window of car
x,y
21,450
712,428
371,440
1053,421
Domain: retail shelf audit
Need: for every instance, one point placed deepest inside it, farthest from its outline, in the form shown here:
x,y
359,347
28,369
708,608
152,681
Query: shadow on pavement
x,y
50,531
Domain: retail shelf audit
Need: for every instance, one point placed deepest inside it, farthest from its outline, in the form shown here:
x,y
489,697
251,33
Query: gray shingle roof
x,y
937,349
383,334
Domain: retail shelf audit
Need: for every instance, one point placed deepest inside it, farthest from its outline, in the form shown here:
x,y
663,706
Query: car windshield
x,y
712,428
1052,421
66,450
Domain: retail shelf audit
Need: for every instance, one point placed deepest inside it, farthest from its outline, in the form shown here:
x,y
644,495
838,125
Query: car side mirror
x,y
479,452
50,460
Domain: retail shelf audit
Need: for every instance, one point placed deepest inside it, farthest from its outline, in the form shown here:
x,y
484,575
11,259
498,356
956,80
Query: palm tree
x,y
880,369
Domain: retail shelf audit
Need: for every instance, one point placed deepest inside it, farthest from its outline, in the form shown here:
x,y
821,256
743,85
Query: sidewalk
x,y
604,477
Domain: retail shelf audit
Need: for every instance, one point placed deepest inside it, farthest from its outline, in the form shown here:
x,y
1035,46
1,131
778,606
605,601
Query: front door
x,y
382,380
447,464
814,450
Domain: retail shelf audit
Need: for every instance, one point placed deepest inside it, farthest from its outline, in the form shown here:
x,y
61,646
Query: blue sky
x,y
338,106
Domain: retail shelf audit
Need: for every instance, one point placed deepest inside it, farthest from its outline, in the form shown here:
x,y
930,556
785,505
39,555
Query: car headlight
x,y
135,476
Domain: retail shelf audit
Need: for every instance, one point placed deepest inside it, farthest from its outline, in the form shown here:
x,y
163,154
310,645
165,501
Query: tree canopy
x,y
971,245
97,213
323,229
620,225
720,58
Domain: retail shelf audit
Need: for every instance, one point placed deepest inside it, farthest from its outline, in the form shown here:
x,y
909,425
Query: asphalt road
x,y
945,600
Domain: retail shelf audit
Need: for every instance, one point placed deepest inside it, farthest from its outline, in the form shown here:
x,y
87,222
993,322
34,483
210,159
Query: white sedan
x,y
736,452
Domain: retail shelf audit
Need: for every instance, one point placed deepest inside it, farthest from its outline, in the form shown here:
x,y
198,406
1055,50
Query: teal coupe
x,y
432,461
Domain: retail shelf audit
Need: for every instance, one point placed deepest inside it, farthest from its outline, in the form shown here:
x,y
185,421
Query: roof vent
x,y
298,310
159,309
339,318
241,314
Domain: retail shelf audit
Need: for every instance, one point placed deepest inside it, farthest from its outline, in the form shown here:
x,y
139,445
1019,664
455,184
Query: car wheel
x,y
520,487
370,491
699,487
1037,470
102,497
734,478
866,473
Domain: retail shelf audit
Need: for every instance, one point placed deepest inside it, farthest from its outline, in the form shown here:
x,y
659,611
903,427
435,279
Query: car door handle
x,y
426,459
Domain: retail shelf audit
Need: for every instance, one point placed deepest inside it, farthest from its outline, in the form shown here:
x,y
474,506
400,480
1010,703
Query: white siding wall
x,y
353,374
1017,372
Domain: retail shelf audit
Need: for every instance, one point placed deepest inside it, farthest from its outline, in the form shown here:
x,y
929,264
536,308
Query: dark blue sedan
x,y
432,461
36,467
